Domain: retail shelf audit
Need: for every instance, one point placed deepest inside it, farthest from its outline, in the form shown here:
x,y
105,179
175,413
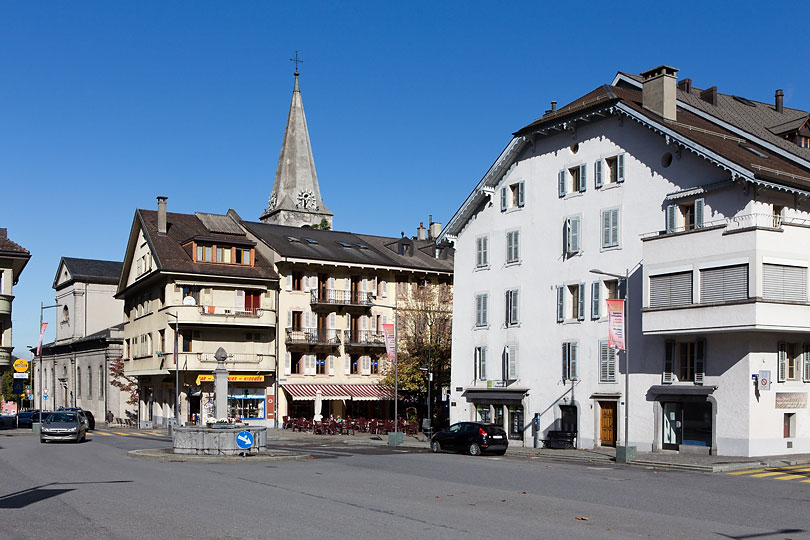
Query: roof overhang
x,y
495,394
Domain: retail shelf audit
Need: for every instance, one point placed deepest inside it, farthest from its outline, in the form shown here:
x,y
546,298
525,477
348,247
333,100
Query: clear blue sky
x,y
105,105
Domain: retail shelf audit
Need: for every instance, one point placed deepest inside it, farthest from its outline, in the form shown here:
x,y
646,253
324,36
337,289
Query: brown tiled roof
x,y
7,247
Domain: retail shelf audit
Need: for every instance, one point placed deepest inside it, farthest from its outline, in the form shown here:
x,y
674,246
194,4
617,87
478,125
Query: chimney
x,y
435,230
420,232
553,106
162,215
685,85
780,96
658,91
709,95
3,233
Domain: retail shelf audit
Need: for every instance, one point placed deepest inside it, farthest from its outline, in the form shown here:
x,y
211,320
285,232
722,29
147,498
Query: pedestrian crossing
x,y
110,433
800,473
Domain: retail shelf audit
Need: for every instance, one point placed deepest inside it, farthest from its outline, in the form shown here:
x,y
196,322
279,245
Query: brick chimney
x,y
658,91
161,215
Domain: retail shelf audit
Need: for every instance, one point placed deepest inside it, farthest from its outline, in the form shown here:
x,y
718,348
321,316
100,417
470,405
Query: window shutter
x,y
508,311
597,174
289,319
478,308
583,177
605,228
503,199
581,302
565,351
239,303
671,289
596,300
806,363
561,183
560,304
620,167
669,354
485,256
483,363
699,204
509,239
513,307
306,283
724,284
479,252
384,287
781,370
573,361
484,315
575,235
513,362
288,285
516,245
331,365
700,360
315,282
614,227
671,209
332,320
780,282
603,361
363,322
521,194
287,362
347,363
476,363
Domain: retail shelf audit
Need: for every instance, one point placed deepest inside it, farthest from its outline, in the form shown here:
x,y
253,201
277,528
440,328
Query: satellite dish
x,y
189,301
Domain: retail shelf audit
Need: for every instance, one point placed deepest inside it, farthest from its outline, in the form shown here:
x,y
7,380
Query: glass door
x,y
673,420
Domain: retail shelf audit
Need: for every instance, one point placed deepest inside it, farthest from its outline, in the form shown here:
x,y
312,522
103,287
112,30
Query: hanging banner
x,y
390,343
615,308
41,333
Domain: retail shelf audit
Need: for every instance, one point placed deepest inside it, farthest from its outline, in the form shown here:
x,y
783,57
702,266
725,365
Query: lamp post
x,y
176,370
396,365
628,454
42,307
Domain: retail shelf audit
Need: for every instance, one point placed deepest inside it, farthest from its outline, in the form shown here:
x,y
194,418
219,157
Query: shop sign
x,y
232,378
496,384
271,407
791,400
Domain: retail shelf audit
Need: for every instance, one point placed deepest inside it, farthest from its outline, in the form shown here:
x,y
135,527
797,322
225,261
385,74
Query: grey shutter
x,y
287,362
565,350
513,362
521,194
476,363
485,255
806,363
671,209
478,302
700,360
597,174
289,319
331,365
483,363
509,240
671,290
596,300
561,183
620,167
785,283
572,235
508,310
603,361
516,245
514,312
573,369
669,353
484,315
560,304
724,284
288,284
614,227
781,370
611,365
583,177
699,204
479,252
581,302
503,199
605,228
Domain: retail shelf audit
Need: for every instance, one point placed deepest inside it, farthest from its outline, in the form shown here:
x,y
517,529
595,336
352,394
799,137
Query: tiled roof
x,y
7,247
92,270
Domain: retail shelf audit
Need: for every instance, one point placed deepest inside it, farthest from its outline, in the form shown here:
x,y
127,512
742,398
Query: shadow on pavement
x,y
21,499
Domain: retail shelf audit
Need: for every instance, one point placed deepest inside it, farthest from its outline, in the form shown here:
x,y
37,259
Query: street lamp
x,y
396,366
176,370
629,454
42,307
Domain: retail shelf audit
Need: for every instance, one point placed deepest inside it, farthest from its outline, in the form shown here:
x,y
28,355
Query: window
x,y
375,365
613,170
242,256
484,414
724,284
193,292
354,362
402,289
480,364
204,253
100,382
686,360
512,307
511,353
792,357
513,246
789,423
607,363
89,383
320,364
185,338
685,217
573,180
669,290
784,283
575,298
65,315
570,369
572,234
802,141
78,381
298,281
610,228
298,363
512,196
481,316
482,252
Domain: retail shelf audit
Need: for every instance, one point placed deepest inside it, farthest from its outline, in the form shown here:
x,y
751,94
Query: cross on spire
x,y
297,61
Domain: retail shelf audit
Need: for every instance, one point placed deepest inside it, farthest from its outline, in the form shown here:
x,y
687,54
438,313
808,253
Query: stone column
x,y
221,385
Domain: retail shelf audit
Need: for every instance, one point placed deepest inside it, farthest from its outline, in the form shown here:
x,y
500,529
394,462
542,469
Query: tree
x,y
323,225
424,330
122,381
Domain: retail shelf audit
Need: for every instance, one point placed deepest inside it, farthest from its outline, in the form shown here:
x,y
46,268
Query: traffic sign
x,y
765,379
17,387
20,376
45,396
20,365
244,440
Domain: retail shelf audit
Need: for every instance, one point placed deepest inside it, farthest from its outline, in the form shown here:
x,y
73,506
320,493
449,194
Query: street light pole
x,y
176,370
42,307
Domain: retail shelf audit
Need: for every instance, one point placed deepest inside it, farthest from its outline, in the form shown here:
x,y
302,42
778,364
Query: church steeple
x,y
296,197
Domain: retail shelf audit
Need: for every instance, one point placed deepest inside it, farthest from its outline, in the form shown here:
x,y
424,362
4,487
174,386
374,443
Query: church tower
x,y
296,198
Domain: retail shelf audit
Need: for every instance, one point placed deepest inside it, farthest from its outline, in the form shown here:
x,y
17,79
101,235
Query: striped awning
x,y
306,392
368,392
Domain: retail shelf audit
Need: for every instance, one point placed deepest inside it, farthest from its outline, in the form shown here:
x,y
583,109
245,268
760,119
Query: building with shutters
x,y
13,259
702,199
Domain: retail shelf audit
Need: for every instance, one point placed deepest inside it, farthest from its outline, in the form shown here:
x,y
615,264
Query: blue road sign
x,y
244,440
45,396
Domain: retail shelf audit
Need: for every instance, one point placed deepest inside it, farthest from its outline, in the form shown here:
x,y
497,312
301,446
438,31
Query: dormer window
x,y
223,254
311,241
204,253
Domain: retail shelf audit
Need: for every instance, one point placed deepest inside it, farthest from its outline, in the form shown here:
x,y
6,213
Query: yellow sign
x,y
20,365
232,378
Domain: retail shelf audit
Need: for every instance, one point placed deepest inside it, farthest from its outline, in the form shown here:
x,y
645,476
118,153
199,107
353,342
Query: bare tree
x,y
122,381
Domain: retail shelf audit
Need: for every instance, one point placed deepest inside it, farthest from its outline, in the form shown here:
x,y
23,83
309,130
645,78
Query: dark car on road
x,y
90,421
24,418
474,438
63,426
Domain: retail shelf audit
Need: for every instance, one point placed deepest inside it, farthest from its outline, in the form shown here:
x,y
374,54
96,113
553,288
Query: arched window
x,y
101,382
78,381
89,382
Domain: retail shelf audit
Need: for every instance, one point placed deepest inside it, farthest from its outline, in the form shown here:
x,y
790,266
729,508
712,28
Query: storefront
x,y
685,418
250,398
499,406
338,400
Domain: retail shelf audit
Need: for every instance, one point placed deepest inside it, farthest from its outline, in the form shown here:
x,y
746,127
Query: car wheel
x,y
84,437
436,447
475,450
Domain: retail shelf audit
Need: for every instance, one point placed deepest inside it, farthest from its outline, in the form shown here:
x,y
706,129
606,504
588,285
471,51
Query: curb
x,y
167,456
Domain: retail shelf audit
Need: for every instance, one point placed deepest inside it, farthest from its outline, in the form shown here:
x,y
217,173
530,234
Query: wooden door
x,y
323,283
608,423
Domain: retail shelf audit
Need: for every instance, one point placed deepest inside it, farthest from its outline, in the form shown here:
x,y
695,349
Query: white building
x,y
702,198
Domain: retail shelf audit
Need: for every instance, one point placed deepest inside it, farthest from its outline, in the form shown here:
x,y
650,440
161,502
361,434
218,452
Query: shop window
x,y
483,413
516,422
246,404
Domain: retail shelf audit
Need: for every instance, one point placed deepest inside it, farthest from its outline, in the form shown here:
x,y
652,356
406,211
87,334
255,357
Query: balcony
x,y
5,304
364,338
719,280
224,315
5,356
312,336
205,361
340,298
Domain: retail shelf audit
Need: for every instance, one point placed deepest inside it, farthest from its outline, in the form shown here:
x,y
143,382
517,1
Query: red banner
x,y
615,324
390,343
41,333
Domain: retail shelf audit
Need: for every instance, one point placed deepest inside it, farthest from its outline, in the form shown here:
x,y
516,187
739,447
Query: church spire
x,y
296,197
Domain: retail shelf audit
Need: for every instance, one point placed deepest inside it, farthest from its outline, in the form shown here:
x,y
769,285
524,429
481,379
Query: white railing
x,y
735,223
236,358
230,310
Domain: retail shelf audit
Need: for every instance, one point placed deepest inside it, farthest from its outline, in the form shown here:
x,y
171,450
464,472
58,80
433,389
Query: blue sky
x,y
105,105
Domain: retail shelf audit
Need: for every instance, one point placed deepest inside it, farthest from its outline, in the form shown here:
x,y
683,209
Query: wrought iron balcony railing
x,y
340,297
313,336
366,338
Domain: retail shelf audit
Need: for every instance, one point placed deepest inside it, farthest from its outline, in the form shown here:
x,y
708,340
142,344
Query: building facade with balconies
x,y
701,199
13,259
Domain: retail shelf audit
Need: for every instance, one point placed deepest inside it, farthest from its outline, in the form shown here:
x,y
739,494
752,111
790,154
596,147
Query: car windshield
x,y
62,417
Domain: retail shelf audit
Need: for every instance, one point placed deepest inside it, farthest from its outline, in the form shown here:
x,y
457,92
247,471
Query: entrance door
x,y
686,423
323,282
672,426
322,337
607,431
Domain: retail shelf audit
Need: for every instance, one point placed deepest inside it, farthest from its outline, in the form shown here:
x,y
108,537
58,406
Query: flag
x,y
615,324
41,333
390,343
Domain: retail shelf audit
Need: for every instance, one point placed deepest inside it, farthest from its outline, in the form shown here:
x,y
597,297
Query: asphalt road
x,y
346,492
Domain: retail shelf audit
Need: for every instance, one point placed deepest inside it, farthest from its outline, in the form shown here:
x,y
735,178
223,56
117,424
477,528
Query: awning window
x,y
306,392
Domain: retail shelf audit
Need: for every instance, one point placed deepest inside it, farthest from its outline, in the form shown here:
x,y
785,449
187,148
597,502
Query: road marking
x,y
122,434
747,472
790,477
763,475
157,434
102,433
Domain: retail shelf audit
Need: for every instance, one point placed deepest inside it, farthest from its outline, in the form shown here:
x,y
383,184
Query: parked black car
x,y
38,416
472,437
24,418
91,421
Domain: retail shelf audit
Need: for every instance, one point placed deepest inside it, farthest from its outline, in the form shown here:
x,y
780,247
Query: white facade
x,y
566,230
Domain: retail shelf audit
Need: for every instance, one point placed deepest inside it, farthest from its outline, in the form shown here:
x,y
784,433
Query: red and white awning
x,y
306,392
368,392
